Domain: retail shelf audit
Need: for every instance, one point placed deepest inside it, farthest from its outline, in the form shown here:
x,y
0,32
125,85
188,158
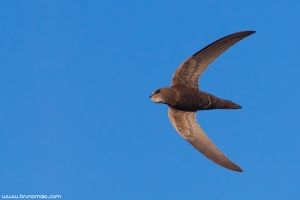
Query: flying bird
x,y
184,98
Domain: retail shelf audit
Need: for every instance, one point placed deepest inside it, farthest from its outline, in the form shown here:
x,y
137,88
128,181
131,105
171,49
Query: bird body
x,y
192,99
184,98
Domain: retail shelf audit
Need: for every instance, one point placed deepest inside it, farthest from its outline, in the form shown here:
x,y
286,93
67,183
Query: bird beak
x,y
151,95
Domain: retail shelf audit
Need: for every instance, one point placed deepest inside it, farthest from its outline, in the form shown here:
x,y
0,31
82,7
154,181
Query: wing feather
x,y
186,125
191,69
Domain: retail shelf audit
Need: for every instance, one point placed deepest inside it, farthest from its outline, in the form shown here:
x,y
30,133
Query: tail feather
x,y
225,104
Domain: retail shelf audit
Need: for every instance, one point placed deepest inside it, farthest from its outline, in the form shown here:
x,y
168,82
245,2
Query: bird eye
x,y
156,91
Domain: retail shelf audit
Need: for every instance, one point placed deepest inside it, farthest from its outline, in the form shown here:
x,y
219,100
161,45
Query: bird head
x,y
159,95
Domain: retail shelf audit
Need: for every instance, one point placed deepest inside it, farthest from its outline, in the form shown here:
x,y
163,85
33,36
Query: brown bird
x,y
184,98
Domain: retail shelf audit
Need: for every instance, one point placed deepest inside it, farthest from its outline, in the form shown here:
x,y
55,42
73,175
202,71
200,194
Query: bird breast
x,y
191,99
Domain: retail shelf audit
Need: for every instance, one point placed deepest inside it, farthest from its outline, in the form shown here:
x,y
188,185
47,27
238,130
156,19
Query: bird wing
x,y
191,69
186,125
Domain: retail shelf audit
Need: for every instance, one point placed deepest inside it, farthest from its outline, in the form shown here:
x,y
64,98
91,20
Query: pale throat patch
x,y
156,99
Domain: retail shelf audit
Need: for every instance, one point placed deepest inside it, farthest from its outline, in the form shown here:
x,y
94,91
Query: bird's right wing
x,y
189,72
186,125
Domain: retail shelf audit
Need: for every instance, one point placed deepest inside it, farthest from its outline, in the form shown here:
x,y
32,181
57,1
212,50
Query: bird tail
x,y
224,104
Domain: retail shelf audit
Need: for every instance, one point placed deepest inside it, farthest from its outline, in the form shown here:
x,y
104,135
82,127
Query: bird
x,y
184,98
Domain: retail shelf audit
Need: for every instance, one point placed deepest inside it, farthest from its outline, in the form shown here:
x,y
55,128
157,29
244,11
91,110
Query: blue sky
x,y
76,120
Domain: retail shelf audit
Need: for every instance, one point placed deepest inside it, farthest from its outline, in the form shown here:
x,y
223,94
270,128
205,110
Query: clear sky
x,y
76,118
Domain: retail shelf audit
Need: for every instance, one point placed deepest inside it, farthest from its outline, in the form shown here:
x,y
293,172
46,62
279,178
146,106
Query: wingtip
x,y
247,33
235,168
250,32
236,106
239,170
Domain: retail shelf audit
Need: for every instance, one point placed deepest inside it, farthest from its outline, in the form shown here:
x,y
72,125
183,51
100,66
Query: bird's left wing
x,y
186,125
191,69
